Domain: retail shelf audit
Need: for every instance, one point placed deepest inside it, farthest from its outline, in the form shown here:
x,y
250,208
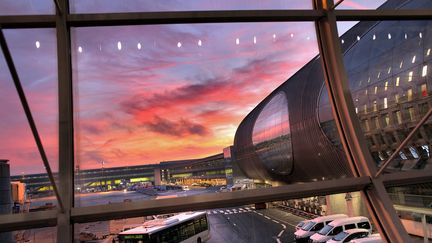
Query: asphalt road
x,y
244,224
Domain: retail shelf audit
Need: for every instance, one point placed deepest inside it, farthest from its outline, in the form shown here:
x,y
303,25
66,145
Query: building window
x,y
385,103
366,125
397,98
386,86
376,89
397,81
410,75
411,113
409,94
424,71
376,120
365,109
423,89
375,108
386,120
423,108
398,117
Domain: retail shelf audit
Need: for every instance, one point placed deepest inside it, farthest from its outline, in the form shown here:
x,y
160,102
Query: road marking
x,y
280,233
260,214
278,240
277,222
267,217
283,226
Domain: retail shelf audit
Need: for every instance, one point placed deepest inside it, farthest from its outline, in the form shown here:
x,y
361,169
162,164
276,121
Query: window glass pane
x,y
103,6
413,205
260,222
36,235
391,59
155,112
34,55
360,4
18,7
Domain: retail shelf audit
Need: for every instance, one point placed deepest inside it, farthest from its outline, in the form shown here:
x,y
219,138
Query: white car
x,y
348,235
375,238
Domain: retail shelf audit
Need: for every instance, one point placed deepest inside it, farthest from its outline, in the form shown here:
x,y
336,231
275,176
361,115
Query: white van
x,y
301,224
375,238
348,235
314,225
339,225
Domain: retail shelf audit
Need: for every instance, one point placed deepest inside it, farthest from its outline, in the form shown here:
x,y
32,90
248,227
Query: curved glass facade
x,y
271,136
389,72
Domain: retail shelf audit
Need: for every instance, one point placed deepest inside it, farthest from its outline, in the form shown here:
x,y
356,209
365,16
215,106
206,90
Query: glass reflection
x,y
390,82
271,135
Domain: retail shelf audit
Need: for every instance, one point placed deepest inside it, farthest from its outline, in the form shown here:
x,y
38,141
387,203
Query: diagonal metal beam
x,y
404,142
28,114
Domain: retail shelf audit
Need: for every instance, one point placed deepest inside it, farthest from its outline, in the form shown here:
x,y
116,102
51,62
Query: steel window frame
x,y
63,21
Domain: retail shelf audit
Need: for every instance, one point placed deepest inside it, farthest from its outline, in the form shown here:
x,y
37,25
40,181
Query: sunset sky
x,y
146,94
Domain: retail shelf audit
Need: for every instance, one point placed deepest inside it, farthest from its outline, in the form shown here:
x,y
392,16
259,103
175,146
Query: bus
x,y
190,227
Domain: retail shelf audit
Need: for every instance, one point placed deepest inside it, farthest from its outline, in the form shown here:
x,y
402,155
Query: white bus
x,y
192,227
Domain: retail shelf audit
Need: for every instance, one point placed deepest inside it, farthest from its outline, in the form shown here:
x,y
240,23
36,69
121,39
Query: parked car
x,y
315,225
339,225
348,235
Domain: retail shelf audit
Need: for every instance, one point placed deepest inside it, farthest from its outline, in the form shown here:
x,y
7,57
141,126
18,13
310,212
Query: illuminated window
x,y
385,103
368,79
428,52
386,86
389,70
379,74
410,75
397,81
423,89
356,110
365,109
409,94
400,65
387,120
398,117
424,71
376,89
375,105
411,113
366,92
413,59
397,98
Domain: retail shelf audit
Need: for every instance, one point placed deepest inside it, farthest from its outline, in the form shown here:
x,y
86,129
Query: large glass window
x,y
34,55
17,7
158,110
271,135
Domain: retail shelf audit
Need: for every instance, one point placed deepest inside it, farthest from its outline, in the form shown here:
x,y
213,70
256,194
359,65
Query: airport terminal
x,y
338,151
